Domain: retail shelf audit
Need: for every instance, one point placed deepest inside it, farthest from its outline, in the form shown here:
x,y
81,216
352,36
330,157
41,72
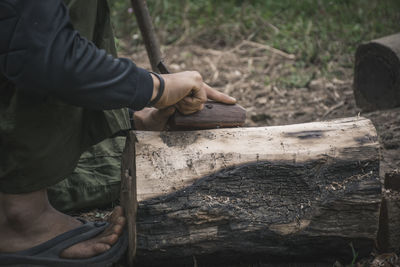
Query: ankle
x,y
18,210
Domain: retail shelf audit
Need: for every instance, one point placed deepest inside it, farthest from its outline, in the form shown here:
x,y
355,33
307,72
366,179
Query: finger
x,y
188,109
190,104
218,96
159,118
163,114
199,94
169,111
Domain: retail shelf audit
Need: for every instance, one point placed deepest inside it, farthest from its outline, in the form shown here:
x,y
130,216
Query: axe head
x,y
214,115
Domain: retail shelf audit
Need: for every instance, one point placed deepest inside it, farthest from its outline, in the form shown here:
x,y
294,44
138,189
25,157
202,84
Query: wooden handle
x,y
129,194
214,115
146,27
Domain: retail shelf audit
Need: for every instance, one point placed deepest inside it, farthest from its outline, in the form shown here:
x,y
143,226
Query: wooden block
x,y
214,115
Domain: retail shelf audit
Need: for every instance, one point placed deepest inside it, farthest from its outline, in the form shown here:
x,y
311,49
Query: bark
x,y
129,195
377,74
296,192
389,226
387,123
392,180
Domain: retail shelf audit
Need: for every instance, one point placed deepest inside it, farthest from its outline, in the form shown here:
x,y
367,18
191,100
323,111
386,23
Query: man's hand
x,y
187,91
152,119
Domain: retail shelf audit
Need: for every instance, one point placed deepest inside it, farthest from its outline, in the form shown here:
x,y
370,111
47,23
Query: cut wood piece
x,y
389,232
377,74
214,115
128,194
299,191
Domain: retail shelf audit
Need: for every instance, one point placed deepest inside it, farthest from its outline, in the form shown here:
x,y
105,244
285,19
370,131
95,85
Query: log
x,y
377,74
302,192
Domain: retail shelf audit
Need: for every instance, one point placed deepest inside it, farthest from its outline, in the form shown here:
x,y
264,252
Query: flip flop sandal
x,y
48,253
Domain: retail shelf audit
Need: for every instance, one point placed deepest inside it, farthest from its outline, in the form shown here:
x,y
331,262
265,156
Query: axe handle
x,y
149,36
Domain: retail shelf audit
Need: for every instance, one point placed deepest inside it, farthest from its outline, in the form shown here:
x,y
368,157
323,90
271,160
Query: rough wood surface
x,y
298,191
387,123
214,115
128,194
393,211
392,180
377,74
389,225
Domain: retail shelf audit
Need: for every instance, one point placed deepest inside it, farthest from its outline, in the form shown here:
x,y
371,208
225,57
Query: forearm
x,y
43,54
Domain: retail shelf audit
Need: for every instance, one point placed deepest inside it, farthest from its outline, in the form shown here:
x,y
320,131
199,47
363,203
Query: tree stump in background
x,y
377,74
296,192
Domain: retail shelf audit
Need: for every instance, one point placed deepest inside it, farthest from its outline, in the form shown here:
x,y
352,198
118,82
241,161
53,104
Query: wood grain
x,y
389,225
129,194
214,115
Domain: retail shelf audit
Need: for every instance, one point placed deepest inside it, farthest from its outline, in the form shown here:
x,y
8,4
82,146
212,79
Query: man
x,y
54,87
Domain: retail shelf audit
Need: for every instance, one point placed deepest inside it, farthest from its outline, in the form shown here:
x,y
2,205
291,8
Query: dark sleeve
x,y
41,52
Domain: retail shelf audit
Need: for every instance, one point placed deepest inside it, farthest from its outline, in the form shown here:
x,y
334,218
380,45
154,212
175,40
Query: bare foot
x,y
100,243
28,220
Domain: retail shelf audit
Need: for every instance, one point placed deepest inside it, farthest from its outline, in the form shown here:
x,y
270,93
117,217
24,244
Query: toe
x,y
117,212
117,229
109,240
116,226
86,250
121,221
101,243
99,248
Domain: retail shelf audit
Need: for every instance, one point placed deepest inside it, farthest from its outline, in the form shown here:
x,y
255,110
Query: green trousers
x,y
42,139
95,182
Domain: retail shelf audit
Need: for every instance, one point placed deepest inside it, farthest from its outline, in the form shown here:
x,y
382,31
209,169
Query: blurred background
x,y
286,61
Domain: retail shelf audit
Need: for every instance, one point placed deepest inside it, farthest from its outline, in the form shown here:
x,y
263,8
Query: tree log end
x,y
377,74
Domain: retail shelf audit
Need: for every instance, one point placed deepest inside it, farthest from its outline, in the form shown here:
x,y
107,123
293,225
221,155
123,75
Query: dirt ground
x,y
248,70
